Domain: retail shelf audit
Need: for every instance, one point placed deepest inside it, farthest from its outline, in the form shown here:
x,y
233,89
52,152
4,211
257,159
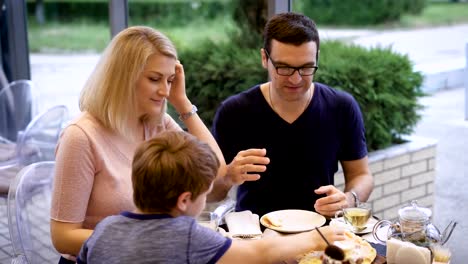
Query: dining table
x,y
379,247
249,226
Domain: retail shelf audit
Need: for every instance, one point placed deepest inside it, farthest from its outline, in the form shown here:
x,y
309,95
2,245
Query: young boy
x,y
172,175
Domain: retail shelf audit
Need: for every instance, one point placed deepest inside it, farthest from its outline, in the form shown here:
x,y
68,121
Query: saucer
x,y
339,221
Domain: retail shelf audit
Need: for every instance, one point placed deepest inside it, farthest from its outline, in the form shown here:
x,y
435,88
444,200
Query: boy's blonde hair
x,y
109,93
168,165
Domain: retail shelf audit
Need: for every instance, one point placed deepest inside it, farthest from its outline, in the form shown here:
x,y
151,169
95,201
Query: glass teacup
x,y
356,216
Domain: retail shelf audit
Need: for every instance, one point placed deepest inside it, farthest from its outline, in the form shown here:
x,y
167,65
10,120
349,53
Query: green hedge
x,y
161,12
382,82
215,71
361,12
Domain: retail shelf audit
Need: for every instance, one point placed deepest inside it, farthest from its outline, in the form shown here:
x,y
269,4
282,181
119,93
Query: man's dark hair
x,y
291,28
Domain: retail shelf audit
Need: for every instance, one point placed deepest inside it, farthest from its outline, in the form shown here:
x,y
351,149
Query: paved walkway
x,y
439,53
443,119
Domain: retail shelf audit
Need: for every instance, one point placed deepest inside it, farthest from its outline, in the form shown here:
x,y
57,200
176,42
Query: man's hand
x,y
246,165
334,201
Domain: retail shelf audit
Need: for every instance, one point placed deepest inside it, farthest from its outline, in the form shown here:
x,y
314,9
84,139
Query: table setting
x,y
411,239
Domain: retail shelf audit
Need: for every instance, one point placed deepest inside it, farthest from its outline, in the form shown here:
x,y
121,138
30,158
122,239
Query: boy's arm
x,y
276,249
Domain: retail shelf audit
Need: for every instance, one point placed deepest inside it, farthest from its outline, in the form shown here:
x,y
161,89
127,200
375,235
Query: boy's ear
x,y
183,201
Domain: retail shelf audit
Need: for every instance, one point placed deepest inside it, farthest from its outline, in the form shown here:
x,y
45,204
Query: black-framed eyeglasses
x,y
289,70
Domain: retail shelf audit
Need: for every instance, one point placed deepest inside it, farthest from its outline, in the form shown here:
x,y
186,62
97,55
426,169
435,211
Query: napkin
x,y
402,252
340,223
243,224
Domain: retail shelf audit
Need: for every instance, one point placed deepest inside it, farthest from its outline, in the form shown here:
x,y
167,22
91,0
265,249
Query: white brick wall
x,y
424,154
396,161
386,176
414,168
401,174
396,186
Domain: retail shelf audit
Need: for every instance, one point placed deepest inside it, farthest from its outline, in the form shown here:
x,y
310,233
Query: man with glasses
x,y
286,137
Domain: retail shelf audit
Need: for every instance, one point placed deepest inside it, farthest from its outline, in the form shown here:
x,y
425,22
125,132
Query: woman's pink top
x,y
93,171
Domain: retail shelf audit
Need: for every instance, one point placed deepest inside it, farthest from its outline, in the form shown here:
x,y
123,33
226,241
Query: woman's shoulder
x,y
86,123
82,128
166,123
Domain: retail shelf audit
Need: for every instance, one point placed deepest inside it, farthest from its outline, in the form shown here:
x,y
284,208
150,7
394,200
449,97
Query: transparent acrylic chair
x,y
29,201
17,108
36,143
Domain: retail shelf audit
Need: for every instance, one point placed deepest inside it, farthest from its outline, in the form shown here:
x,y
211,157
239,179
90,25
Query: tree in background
x,y
250,16
39,12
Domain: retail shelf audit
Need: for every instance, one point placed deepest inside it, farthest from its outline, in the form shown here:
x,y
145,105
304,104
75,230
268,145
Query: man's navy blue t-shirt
x,y
303,155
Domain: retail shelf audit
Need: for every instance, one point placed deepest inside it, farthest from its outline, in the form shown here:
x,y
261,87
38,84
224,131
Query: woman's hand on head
x,y
177,96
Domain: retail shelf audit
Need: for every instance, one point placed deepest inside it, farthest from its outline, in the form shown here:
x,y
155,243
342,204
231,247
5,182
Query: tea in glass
x,y
356,216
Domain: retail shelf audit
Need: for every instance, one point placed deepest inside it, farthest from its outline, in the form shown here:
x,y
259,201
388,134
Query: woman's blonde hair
x,y
109,93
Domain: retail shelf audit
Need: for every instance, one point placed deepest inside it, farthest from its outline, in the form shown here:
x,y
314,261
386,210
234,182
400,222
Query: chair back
x,y
29,202
38,141
17,108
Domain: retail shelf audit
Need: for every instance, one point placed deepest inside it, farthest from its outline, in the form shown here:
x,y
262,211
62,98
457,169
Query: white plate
x,y
369,226
294,221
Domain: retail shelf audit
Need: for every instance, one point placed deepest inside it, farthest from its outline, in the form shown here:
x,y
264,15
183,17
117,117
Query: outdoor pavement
x,y
439,53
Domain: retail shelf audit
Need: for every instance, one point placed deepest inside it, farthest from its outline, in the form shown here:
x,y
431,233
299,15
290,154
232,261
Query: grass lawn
x,y
436,14
87,36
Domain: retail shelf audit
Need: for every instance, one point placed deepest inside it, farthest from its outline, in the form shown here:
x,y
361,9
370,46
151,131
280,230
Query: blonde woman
x,y
123,103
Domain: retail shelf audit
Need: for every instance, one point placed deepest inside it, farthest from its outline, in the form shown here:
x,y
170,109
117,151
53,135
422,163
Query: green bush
x,y
161,12
414,7
215,71
362,12
382,82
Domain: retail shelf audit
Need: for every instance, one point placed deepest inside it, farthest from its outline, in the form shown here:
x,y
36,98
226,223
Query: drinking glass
x,y
356,216
208,219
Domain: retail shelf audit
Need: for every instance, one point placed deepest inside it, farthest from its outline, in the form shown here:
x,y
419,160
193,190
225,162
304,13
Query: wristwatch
x,y
184,116
356,199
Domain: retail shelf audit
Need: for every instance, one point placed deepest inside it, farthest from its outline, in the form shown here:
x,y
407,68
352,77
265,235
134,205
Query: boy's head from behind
x,y
173,171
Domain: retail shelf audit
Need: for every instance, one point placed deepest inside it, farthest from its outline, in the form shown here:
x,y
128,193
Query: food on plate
x,y
356,249
273,220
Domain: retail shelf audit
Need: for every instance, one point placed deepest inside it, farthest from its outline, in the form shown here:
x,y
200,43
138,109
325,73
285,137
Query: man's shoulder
x,y
333,95
329,91
243,98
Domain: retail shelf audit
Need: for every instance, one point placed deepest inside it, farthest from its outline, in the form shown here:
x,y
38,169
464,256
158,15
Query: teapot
x,y
414,226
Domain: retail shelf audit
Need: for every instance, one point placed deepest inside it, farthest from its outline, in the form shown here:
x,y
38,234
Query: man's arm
x,y
358,178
